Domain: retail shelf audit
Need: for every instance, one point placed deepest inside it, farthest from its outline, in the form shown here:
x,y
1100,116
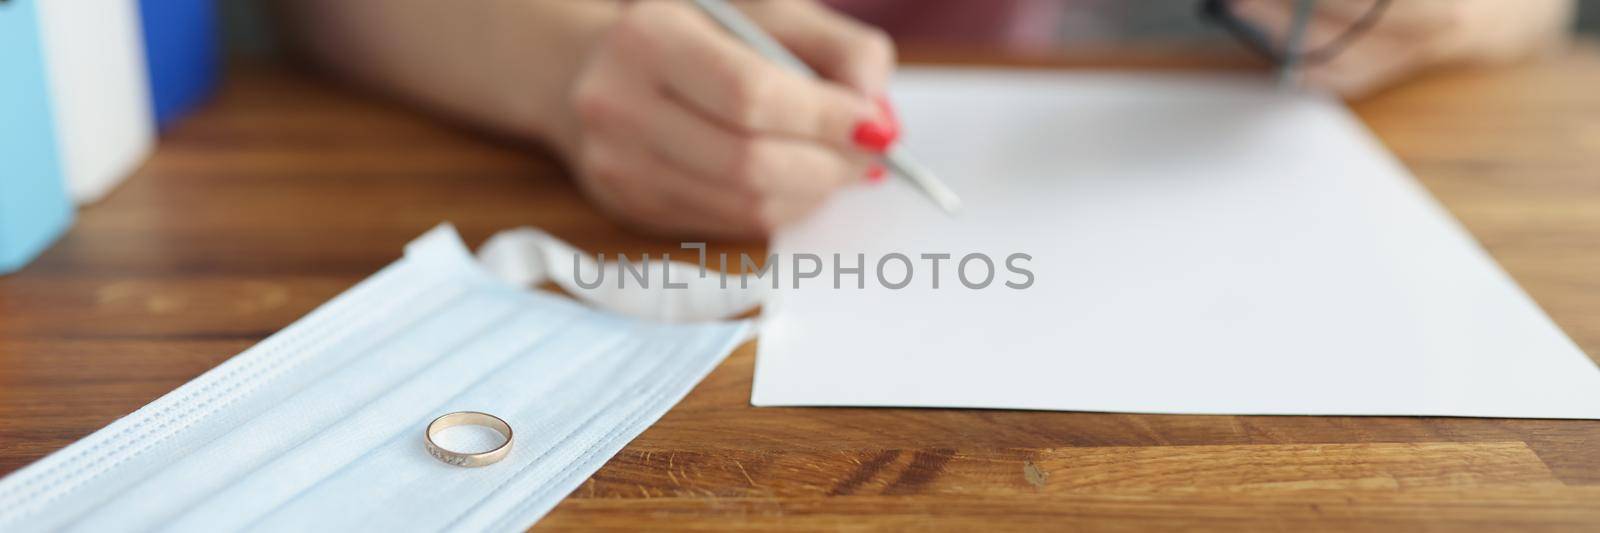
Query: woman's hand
x,y
1414,35
685,130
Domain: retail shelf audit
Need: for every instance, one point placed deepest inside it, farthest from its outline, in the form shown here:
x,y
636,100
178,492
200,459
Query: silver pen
x,y
741,27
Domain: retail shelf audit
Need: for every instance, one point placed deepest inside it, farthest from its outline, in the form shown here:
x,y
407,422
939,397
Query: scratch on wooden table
x,y
926,465
747,477
864,473
1034,474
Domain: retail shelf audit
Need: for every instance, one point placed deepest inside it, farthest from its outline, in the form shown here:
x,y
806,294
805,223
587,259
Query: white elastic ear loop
x,y
528,257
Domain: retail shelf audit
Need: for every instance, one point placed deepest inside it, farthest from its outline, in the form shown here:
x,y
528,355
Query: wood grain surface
x,y
286,190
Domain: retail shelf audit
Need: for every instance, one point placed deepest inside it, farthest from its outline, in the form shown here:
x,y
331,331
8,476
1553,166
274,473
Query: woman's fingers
x,y
642,187
614,102
840,48
614,107
723,78
686,130
648,156
645,190
1367,67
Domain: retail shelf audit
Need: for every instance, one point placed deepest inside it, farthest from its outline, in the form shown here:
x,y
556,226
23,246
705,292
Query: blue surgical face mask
x,y
320,426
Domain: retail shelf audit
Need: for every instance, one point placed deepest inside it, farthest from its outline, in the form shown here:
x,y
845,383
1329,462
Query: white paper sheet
x,y
1201,244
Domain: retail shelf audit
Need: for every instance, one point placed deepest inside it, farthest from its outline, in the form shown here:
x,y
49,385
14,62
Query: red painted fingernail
x,y
875,136
888,110
876,173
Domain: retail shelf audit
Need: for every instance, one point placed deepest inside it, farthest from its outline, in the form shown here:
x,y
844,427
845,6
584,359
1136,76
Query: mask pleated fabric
x,y
320,426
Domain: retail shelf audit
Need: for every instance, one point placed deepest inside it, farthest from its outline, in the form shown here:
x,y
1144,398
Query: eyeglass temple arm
x,y
1221,12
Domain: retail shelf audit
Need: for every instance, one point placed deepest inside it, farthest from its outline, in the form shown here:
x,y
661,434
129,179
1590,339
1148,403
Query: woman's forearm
x,y
506,65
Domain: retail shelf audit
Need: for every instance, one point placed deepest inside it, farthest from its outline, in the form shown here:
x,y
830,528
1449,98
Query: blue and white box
x,y
99,88
34,207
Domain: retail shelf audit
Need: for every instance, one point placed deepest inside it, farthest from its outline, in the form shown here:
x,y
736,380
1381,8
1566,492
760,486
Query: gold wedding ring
x,y
468,418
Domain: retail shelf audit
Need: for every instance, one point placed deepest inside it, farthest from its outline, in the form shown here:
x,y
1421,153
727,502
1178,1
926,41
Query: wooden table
x,y
287,190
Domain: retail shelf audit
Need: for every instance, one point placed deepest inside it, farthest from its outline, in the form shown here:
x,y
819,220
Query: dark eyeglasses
x,y
1258,41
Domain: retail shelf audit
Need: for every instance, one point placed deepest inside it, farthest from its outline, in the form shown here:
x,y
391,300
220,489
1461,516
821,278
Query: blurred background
x,y
89,85
1070,23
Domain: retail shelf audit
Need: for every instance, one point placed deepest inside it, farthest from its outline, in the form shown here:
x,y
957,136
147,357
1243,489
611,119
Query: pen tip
x,y
925,181
951,207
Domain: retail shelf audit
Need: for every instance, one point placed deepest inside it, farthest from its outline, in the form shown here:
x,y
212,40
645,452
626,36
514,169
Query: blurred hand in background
x,y
1415,35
